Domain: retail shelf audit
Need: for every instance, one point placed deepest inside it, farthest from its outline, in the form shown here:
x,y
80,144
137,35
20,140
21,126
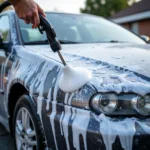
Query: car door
x,y
4,52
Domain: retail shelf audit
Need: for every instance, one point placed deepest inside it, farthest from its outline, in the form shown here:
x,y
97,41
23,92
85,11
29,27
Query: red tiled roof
x,y
139,7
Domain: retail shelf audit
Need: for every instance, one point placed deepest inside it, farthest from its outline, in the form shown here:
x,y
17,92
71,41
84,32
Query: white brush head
x,y
73,79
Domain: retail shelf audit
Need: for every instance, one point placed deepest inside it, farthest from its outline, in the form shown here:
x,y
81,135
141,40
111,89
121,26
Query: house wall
x,y
126,25
142,27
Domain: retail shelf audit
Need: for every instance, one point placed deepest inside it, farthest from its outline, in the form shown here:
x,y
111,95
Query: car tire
x,y
27,128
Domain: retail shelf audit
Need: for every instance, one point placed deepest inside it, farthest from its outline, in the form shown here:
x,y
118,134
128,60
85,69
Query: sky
x,y
62,5
72,6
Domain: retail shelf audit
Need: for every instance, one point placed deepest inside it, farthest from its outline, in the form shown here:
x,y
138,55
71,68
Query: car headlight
x,y
106,103
142,104
121,104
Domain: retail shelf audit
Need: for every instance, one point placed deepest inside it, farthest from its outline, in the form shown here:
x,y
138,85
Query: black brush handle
x,y
4,5
51,35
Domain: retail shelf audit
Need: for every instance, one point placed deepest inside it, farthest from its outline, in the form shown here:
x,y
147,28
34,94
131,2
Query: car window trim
x,y
9,35
20,38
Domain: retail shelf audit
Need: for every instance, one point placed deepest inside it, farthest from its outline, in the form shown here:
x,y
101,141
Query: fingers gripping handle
x,y
51,35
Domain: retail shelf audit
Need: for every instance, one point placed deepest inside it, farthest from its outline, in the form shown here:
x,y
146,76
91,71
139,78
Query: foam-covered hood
x,y
115,67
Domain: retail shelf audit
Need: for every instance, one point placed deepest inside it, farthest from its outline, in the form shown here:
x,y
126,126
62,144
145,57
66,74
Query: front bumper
x,y
78,129
118,134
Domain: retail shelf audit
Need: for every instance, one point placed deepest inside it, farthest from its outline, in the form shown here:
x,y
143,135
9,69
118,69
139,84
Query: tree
x,y
105,8
130,2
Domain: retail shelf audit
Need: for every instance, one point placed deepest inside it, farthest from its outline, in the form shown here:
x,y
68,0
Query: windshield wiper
x,y
115,41
36,42
68,42
112,41
46,42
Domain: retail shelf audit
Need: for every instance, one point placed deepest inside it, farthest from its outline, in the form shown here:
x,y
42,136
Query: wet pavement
x,y
6,142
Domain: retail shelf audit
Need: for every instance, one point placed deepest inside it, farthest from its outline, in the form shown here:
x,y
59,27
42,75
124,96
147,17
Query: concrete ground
x,y
6,142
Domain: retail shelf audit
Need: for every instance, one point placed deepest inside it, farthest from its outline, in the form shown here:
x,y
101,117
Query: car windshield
x,y
72,28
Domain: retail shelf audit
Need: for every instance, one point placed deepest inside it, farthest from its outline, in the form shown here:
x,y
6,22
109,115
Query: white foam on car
x,y
61,118
123,85
124,129
54,109
49,99
52,121
110,130
70,99
65,123
66,98
73,79
79,127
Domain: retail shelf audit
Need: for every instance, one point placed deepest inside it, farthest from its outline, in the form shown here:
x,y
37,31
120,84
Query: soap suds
x,y
56,86
54,80
49,98
66,98
70,99
65,123
73,113
39,106
73,79
54,110
61,118
107,84
79,127
52,121
42,78
110,130
145,127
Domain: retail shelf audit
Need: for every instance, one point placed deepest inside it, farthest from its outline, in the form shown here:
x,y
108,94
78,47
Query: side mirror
x,y
3,45
1,38
145,38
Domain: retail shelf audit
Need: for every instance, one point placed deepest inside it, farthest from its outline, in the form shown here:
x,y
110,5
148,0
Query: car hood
x,y
110,63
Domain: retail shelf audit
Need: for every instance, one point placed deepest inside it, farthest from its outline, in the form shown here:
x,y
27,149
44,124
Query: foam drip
x,y
65,123
52,121
110,130
79,127
49,98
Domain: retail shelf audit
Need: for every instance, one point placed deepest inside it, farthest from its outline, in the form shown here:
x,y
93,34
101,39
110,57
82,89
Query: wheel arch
x,y
16,90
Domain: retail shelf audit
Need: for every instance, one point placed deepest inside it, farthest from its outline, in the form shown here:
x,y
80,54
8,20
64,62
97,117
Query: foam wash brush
x,y
72,78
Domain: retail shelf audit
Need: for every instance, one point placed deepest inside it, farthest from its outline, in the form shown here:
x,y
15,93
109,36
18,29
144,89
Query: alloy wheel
x,y
25,133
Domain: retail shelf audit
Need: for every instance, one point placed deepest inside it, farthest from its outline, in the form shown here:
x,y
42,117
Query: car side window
x,y
4,28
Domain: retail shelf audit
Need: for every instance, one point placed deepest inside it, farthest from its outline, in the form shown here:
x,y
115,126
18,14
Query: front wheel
x,y
28,133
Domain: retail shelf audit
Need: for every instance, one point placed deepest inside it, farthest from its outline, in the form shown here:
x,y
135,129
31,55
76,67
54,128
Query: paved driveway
x,y
6,142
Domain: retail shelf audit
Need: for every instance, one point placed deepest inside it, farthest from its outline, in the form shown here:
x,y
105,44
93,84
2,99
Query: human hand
x,y
28,10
